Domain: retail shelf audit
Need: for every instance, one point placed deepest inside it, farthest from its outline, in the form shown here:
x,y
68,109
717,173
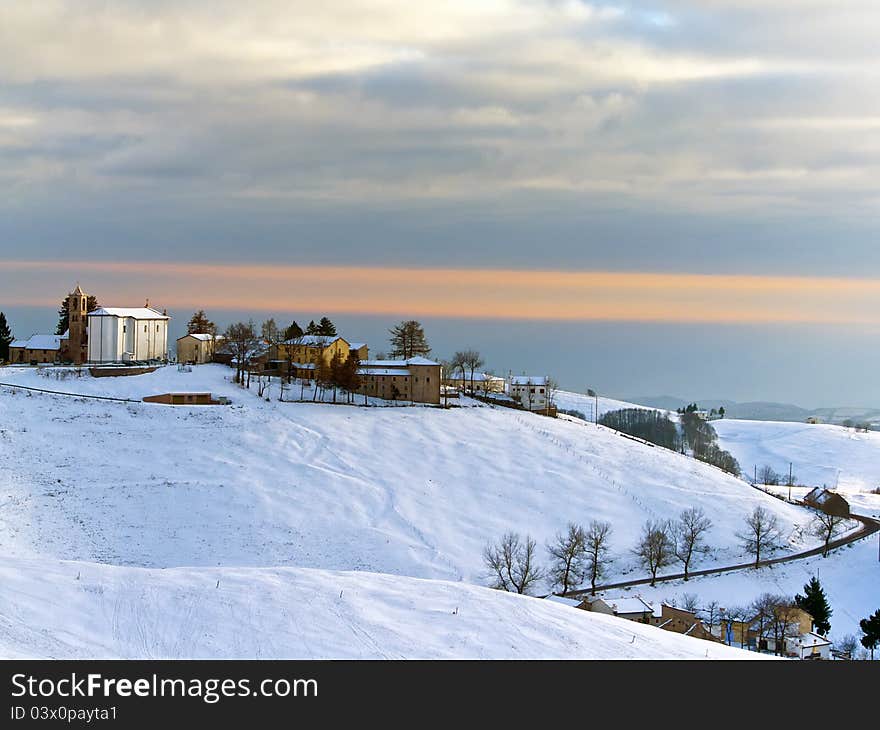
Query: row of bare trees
x,y
581,555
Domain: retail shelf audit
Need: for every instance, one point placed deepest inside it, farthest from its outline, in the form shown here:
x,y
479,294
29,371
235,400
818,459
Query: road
x,y
869,527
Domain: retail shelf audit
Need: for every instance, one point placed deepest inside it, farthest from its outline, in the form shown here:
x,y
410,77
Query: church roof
x,y
128,312
78,290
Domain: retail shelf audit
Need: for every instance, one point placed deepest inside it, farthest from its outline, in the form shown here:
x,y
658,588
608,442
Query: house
x,y
482,383
829,502
36,350
416,379
127,334
813,420
808,646
763,634
304,354
531,391
571,602
360,349
69,347
681,621
631,608
197,348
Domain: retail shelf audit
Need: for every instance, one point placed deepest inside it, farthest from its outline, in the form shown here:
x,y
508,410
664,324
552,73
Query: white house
x,y
531,391
809,646
127,334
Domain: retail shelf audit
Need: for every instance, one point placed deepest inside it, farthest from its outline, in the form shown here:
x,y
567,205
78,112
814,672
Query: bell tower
x,y
77,325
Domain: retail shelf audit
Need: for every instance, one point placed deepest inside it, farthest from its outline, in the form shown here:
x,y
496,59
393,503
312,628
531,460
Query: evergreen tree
x,y
5,338
199,324
294,331
312,328
63,314
871,631
326,328
408,340
815,603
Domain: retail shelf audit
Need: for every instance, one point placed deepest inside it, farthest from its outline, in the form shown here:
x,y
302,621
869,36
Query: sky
x,y
560,184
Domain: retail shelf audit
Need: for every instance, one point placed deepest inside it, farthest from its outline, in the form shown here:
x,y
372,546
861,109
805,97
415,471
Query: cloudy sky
x,y
674,166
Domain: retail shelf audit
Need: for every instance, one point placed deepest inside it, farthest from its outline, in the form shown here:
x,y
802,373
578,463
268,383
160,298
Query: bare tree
x,y
597,539
511,563
689,535
768,476
847,645
242,339
688,602
552,390
761,533
471,360
826,527
710,615
738,615
777,617
569,555
655,549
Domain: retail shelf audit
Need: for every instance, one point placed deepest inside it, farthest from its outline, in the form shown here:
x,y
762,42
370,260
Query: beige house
x,y
304,354
36,350
482,382
631,608
681,621
416,380
196,348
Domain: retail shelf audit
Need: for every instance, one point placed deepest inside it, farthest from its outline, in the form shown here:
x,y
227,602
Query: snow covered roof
x,y
481,377
528,380
314,340
811,639
356,345
200,336
398,363
563,600
129,312
384,371
39,342
629,605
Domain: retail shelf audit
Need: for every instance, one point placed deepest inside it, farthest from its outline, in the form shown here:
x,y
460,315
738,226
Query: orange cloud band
x,y
459,293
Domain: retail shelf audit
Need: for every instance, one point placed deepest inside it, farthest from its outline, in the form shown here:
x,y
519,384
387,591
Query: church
x,y
104,335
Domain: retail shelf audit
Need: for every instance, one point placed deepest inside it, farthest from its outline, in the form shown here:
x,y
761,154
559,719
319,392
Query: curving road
x,y
869,527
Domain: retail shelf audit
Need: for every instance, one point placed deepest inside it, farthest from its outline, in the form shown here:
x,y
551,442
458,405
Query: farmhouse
x,y
530,391
482,382
197,348
304,354
630,608
37,349
829,502
681,622
127,334
416,380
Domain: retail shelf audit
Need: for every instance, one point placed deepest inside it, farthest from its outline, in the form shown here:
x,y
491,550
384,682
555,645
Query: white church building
x,y
127,334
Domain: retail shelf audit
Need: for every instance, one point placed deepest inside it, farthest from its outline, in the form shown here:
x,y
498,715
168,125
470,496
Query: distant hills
x,y
765,410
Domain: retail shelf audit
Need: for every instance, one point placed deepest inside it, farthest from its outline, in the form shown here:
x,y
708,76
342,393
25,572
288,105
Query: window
x,y
145,328
157,328
123,329
542,390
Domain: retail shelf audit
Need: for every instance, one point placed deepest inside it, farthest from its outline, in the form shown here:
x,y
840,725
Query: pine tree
x,y
293,332
63,314
408,340
871,631
5,338
312,328
199,324
815,603
326,328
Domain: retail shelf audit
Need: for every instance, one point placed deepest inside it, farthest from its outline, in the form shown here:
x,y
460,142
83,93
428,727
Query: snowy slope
x,y
53,609
569,400
410,491
818,452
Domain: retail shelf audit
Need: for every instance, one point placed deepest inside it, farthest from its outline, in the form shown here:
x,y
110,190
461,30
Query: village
x,y
317,364
130,340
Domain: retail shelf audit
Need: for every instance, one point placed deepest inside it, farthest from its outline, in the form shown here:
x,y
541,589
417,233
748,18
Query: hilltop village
x,y
126,340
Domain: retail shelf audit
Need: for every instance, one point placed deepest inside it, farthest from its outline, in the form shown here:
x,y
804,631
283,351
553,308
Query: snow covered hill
x,y
256,493
56,609
834,456
411,491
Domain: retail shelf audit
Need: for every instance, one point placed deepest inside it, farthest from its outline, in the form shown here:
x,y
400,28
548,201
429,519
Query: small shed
x,y
829,502
184,399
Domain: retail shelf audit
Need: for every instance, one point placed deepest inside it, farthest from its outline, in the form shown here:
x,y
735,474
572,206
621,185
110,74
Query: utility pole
x,y
596,409
789,480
